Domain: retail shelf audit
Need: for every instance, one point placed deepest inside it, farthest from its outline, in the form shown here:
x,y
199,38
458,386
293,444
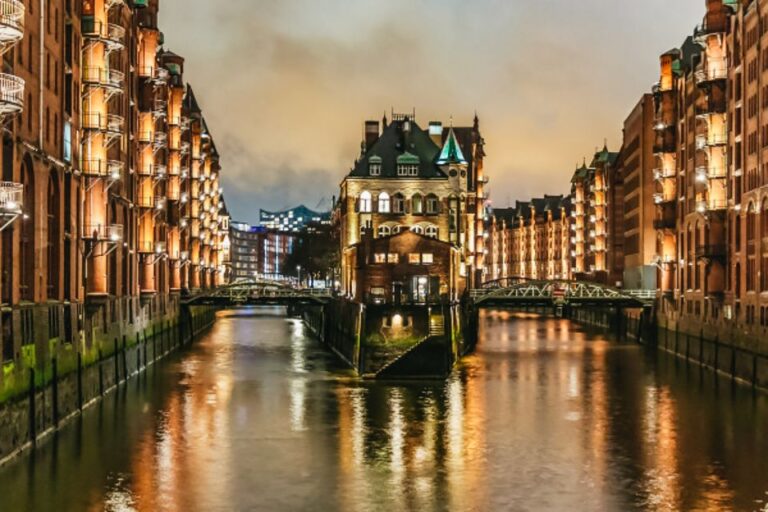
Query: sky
x,y
286,85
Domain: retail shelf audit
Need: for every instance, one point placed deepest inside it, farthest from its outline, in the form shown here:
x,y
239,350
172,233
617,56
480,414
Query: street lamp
x,y
298,274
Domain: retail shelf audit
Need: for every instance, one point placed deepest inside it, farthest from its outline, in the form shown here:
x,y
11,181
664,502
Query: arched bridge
x,y
522,292
259,293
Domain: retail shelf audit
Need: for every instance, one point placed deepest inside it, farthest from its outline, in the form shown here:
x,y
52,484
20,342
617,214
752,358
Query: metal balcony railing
x,y
145,137
103,232
147,202
11,94
705,141
710,172
145,247
711,74
11,198
11,22
160,172
160,108
104,77
663,174
112,169
161,140
115,124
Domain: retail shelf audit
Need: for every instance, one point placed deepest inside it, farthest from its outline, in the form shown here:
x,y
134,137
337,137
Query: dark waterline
x,y
545,416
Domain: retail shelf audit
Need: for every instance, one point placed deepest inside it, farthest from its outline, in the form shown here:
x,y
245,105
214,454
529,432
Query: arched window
x,y
417,229
54,240
384,231
432,204
384,204
751,222
417,204
431,231
27,256
398,203
365,202
397,229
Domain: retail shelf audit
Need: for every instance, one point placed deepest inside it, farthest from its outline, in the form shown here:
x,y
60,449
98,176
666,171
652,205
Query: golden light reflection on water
x,y
545,416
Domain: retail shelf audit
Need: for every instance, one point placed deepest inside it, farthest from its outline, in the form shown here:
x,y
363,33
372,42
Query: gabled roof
x,y
401,144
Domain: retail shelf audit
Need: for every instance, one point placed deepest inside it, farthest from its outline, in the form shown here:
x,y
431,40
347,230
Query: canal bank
x,y
734,353
55,382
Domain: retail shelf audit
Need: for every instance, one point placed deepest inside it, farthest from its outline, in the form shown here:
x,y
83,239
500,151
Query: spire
x,y
476,123
384,122
451,153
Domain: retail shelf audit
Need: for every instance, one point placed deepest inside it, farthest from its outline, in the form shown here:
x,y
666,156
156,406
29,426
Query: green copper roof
x,y
451,153
375,159
408,158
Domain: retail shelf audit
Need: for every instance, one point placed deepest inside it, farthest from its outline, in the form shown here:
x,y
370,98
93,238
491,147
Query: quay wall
x,y
58,378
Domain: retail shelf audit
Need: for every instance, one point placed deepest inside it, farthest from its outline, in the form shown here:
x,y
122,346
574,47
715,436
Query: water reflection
x,y
545,416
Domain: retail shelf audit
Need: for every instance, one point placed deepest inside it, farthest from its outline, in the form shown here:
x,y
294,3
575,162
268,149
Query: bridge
x,y
523,292
259,293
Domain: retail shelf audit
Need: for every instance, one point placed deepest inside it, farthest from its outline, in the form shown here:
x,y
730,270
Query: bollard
x,y
32,408
101,374
55,391
79,381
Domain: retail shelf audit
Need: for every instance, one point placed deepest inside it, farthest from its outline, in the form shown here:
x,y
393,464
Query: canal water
x,y
546,416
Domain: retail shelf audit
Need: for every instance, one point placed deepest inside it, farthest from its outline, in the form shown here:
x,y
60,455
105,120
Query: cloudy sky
x,y
286,84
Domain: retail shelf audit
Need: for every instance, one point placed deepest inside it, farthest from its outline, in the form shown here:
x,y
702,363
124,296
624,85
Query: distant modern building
x,y
294,220
259,253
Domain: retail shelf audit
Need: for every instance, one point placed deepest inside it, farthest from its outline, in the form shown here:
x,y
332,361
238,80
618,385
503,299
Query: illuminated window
x,y
432,204
407,170
431,231
417,205
427,258
384,231
380,257
414,258
418,230
365,202
393,258
384,203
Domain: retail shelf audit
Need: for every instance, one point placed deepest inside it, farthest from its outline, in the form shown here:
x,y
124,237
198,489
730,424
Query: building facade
x,y
111,201
260,253
531,240
293,220
429,182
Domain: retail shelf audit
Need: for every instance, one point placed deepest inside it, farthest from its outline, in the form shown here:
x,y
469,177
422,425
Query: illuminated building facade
x,y
531,240
110,199
429,182
294,220
260,253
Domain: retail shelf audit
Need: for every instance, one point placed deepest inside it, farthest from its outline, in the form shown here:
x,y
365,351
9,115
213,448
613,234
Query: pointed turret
x,y
451,153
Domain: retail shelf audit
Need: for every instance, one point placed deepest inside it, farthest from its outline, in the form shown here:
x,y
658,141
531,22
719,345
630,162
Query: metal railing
x,y
11,22
11,198
11,94
103,232
104,77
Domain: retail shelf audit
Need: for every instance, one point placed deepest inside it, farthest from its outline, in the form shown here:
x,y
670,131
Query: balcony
x,y
660,198
706,76
145,137
712,205
704,173
184,148
11,22
104,77
112,233
706,141
664,174
11,94
145,247
160,172
715,26
111,169
11,199
159,108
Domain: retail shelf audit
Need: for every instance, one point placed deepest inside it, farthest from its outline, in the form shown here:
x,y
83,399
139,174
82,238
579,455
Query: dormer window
x,y
408,165
374,166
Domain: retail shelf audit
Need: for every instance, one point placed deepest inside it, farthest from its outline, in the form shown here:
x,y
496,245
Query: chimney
x,y
436,133
371,134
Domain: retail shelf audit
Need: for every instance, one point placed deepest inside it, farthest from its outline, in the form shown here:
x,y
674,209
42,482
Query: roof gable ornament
x,y
451,153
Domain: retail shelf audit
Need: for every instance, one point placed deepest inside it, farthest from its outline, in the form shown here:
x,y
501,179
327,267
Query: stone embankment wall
x,y
60,387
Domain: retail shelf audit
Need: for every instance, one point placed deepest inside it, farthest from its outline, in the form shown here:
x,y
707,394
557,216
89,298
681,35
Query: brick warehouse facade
x,y
110,198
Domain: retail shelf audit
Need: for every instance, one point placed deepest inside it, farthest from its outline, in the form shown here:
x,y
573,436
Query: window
x,y
374,168
384,231
384,204
417,229
393,258
427,258
407,170
414,258
365,202
380,257
398,203
417,204
432,204
431,231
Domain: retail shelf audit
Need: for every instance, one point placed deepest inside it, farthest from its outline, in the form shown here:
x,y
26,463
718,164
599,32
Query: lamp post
x,y
298,274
